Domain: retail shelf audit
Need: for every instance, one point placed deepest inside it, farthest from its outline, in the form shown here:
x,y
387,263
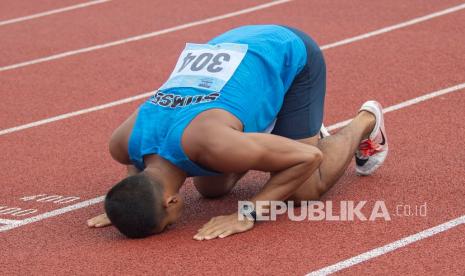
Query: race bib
x,y
206,66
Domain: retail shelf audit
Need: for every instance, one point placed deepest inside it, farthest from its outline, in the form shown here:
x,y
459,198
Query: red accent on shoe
x,y
368,147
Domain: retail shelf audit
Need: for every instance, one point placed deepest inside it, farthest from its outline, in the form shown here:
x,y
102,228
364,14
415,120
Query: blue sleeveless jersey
x,y
254,93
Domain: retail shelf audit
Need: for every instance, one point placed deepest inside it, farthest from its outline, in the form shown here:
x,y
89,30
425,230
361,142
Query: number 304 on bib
x,y
205,66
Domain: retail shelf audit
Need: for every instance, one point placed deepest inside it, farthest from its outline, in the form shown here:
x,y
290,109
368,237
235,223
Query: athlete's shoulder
x,y
251,33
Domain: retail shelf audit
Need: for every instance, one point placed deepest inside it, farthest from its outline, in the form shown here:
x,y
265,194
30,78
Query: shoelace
x,y
368,147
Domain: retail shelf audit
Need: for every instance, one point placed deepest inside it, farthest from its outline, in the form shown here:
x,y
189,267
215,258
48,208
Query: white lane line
x,y
396,27
140,96
144,95
9,221
96,200
54,213
413,101
228,15
50,12
75,113
144,36
389,247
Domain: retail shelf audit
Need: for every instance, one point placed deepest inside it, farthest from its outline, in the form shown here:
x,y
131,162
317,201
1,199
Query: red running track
x,y
102,23
423,258
69,157
10,9
101,76
292,246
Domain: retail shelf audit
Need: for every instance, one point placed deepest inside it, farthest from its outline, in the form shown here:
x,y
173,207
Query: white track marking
x,y
140,96
396,27
144,36
96,200
54,213
144,95
413,101
50,12
75,113
324,271
9,221
228,15
389,247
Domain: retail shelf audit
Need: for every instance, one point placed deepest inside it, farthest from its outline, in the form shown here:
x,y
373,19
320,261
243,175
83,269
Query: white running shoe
x,y
372,152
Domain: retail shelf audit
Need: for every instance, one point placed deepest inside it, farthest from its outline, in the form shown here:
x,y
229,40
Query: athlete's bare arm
x,y
225,149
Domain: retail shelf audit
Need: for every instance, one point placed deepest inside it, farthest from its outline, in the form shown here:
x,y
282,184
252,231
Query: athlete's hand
x,y
99,221
223,226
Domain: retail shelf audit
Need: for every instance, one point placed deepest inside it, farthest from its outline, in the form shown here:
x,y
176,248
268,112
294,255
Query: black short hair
x,y
135,206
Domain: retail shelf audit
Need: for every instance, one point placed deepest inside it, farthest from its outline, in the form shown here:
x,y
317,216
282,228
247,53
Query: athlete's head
x,y
138,206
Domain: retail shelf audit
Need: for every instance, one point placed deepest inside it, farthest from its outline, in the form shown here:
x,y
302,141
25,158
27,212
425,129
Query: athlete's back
x,y
245,71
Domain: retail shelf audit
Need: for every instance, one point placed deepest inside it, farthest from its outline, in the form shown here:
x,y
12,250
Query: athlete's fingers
x,y
99,221
209,230
209,233
211,222
92,222
202,235
215,234
197,237
102,224
222,226
206,225
226,233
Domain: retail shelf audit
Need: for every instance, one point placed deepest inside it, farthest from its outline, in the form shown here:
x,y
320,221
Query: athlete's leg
x,y
216,186
301,116
338,150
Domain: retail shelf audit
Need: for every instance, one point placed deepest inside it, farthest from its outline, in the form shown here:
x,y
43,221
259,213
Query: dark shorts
x,y
301,115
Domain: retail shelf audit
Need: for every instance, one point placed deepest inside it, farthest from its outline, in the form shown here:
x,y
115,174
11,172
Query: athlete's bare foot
x,y
99,221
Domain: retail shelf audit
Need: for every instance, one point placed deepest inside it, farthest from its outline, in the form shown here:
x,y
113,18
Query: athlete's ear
x,y
170,200
173,205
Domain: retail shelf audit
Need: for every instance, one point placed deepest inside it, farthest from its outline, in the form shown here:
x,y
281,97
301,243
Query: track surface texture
x,y
45,73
